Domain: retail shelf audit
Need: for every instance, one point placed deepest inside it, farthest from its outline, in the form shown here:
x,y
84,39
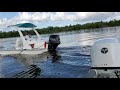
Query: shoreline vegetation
x,y
50,29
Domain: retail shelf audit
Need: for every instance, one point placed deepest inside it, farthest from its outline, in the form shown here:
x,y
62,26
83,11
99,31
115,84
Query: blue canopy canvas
x,y
24,25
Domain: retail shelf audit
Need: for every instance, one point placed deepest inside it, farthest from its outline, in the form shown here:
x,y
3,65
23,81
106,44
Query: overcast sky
x,y
45,19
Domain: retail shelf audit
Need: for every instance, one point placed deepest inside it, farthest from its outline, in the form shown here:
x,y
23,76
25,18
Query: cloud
x,y
40,16
57,16
81,17
36,16
24,16
94,16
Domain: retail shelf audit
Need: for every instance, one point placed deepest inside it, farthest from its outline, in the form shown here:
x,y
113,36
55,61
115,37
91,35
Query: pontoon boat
x,y
31,45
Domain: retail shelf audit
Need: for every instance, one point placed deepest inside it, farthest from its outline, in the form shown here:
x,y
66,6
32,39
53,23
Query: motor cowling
x,y
54,41
105,59
106,53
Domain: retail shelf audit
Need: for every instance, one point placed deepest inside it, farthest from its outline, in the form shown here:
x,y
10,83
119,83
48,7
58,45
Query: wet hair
x,y
25,33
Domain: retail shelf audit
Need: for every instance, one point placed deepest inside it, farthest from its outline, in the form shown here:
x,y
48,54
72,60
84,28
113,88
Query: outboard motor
x,y
105,58
54,41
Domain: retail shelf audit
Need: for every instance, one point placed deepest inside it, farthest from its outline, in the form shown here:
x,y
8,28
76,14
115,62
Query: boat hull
x,y
12,52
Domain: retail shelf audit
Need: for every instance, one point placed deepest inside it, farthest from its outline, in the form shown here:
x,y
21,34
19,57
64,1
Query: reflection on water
x,y
32,72
31,59
70,60
55,56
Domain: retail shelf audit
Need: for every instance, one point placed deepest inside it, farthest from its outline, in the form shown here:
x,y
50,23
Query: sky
x,y
45,19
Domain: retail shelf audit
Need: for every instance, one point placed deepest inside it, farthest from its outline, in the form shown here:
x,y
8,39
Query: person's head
x,y
25,33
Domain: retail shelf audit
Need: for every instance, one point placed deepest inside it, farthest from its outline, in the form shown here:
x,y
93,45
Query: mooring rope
x,y
21,51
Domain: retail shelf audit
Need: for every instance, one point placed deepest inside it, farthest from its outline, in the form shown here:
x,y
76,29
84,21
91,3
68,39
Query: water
x,y
71,60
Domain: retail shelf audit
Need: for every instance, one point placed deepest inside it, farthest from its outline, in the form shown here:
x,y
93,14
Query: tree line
x,y
50,29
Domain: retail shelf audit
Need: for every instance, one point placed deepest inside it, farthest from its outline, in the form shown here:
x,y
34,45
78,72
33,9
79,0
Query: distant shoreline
x,y
50,29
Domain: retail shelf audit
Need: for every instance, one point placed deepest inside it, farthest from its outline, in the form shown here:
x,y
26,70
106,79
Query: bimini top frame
x,y
25,25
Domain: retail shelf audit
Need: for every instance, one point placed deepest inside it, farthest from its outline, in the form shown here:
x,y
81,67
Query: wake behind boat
x,y
25,44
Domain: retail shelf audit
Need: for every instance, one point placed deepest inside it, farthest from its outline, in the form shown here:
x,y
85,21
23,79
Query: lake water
x,y
71,60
